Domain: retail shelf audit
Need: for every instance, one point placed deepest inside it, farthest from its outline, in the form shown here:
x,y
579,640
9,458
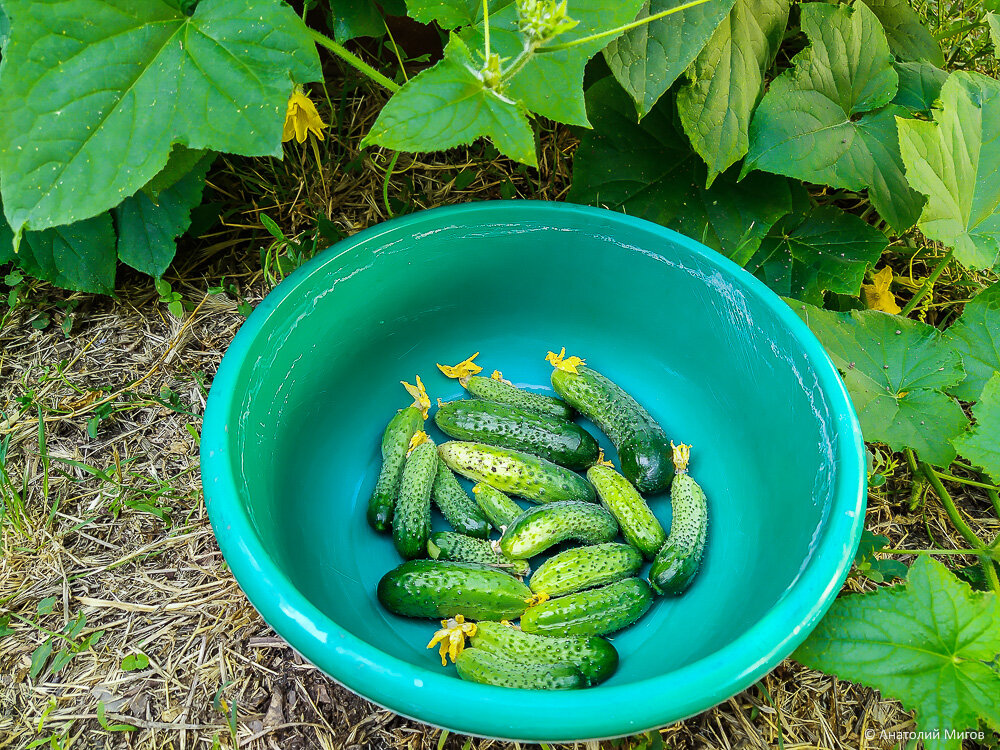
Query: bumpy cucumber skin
x,y
639,526
538,528
495,505
442,588
461,511
594,657
593,612
411,524
508,426
643,447
516,473
490,668
395,442
676,564
448,545
579,568
489,389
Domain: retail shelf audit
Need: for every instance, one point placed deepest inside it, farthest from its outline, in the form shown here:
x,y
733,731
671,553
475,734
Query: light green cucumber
x,y
579,568
395,442
595,658
490,668
442,588
502,392
495,505
592,612
538,528
516,473
411,524
680,558
455,505
449,545
639,526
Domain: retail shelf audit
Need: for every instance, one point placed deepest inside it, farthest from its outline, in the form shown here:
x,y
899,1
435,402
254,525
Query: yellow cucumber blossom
x,y
420,398
301,118
463,369
452,637
561,362
540,20
877,295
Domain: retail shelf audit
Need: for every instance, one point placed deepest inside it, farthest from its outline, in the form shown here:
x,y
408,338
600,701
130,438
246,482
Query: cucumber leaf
x,y
180,163
79,256
993,20
954,162
981,444
91,115
896,371
646,60
976,335
824,250
349,19
647,169
449,105
919,86
909,39
826,120
928,643
726,80
449,14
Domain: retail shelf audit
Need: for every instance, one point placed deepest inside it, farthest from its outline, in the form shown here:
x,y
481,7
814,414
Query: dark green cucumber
x,y
508,426
395,442
593,612
516,473
442,588
461,511
643,447
579,568
411,524
539,528
594,657
448,545
496,506
502,392
639,526
490,668
680,558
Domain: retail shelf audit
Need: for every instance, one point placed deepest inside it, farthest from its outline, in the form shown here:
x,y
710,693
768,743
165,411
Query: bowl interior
x,y
717,365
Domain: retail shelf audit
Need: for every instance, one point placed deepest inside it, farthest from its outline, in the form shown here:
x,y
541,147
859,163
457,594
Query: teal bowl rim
x,y
439,698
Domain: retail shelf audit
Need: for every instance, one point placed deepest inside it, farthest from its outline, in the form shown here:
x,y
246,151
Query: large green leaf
x,y
896,371
825,120
976,335
726,79
954,161
919,86
180,163
450,14
647,169
95,92
927,643
981,444
646,60
993,21
349,19
449,105
78,256
909,38
824,250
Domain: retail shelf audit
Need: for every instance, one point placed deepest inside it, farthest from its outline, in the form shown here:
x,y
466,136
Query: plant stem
x,y
931,551
963,480
620,29
385,184
486,29
353,60
520,61
927,285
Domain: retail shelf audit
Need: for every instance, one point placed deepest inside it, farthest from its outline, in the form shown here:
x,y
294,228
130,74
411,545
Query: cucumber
x,y
539,528
442,588
639,526
395,441
516,473
502,392
593,612
447,545
643,448
680,558
496,506
492,669
507,426
411,525
595,658
581,568
461,511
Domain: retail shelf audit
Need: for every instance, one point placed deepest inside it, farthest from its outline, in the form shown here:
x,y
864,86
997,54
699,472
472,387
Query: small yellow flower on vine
x,y
497,375
301,118
561,362
462,370
540,20
419,437
420,398
536,599
877,295
601,460
682,454
452,637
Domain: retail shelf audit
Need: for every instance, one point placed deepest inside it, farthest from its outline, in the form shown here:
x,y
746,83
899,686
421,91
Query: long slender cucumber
x,y
411,525
461,511
502,392
579,568
540,527
495,505
639,526
449,545
680,558
395,441
592,612
490,668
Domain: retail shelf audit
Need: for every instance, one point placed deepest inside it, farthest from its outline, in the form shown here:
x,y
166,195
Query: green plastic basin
x,y
292,427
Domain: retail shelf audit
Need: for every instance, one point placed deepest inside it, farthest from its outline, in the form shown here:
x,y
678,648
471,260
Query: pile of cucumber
x,y
515,442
